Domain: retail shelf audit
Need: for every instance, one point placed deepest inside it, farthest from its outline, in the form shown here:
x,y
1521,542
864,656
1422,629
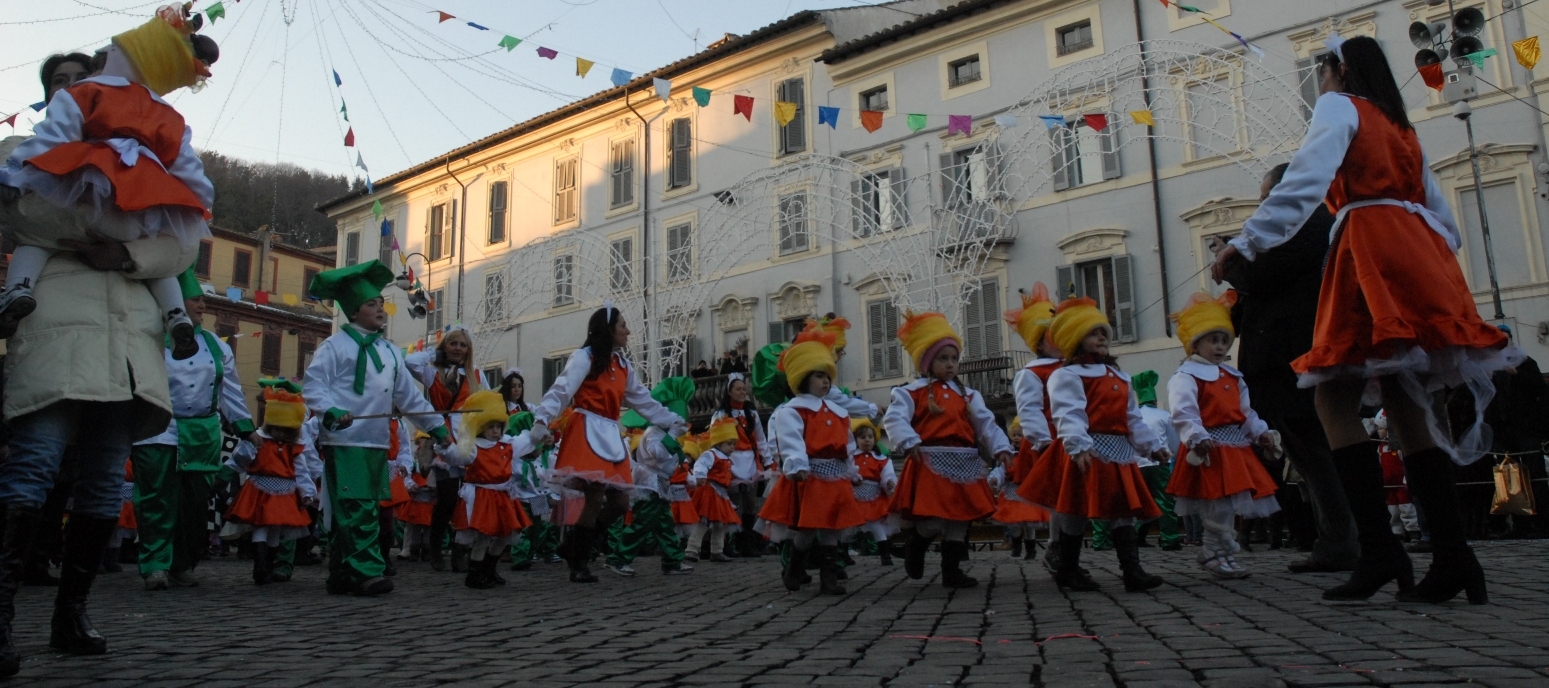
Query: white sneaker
x,y
15,303
624,570
157,581
680,570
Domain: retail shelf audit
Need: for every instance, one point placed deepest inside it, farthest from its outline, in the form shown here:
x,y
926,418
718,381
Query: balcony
x,y
992,376
707,398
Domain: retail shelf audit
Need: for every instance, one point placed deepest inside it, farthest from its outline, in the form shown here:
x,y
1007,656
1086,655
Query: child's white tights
x,y
27,265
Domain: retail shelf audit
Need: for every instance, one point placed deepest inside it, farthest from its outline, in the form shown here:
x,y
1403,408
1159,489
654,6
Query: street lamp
x,y
419,304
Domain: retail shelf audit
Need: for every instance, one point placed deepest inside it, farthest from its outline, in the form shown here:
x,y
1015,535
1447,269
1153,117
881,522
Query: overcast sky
x,y
415,88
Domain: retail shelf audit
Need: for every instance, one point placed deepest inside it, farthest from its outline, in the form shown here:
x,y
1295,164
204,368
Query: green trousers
x,y
1169,527
172,509
652,521
540,539
285,559
357,481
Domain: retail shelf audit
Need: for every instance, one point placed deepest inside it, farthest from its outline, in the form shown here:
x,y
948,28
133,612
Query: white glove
x,y
540,434
678,429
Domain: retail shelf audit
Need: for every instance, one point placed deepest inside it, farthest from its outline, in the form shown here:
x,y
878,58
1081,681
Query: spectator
x,y
702,370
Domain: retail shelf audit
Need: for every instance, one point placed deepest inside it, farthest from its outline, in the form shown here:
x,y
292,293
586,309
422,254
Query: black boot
x,y
85,541
385,542
1032,549
477,578
885,552
795,567
830,562
20,523
1382,556
914,554
953,554
1126,543
492,567
1016,547
1454,568
577,551
1069,574
459,558
110,561
263,563
752,542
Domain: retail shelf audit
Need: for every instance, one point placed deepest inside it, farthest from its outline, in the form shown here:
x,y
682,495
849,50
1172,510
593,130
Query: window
x,y
351,250
1213,118
786,330
242,264
206,254
672,356
307,275
967,175
304,349
564,280
1085,156
621,173
274,275
384,251
273,339
963,71
552,367
886,359
792,223
492,376
1109,281
434,318
567,192
494,297
225,326
498,195
439,230
1073,38
680,163
1307,78
680,252
1513,254
981,322
793,136
877,202
874,99
621,264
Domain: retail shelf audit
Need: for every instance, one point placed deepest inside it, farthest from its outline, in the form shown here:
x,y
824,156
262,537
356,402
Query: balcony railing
x,y
707,398
992,376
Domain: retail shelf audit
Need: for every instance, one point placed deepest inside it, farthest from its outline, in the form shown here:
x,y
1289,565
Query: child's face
x,y
1213,347
726,447
493,430
865,440
371,316
279,434
944,365
1015,435
1096,342
818,384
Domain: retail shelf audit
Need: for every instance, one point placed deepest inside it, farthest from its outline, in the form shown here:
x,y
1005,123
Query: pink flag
x,y
960,123
546,53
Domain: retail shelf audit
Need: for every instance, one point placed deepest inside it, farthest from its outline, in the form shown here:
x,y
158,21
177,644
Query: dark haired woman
x,y
748,461
1394,315
61,71
598,383
513,388
444,373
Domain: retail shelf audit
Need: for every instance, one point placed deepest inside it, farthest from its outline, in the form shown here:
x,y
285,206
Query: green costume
x,y
541,539
652,516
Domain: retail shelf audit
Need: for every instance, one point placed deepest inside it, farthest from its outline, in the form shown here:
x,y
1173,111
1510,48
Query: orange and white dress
x,y
752,455
1032,398
812,435
422,500
400,463
947,422
872,494
592,446
1210,402
270,502
126,520
1094,410
713,475
1393,300
683,512
485,509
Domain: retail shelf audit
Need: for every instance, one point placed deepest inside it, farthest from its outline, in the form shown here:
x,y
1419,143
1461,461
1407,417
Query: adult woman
x,y
748,461
1394,313
513,388
444,373
598,382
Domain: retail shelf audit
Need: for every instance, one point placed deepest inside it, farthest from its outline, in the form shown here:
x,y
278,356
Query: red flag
x,y
444,16
1096,122
1432,75
871,119
349,138
261,298
12,120
743,105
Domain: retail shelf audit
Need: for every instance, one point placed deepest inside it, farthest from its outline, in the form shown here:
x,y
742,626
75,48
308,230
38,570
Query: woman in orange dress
x,y
1395,316
598,383
449,376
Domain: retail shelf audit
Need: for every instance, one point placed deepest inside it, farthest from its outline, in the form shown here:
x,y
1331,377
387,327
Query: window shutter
x,y
776,332
551,370
876,339
627,175
1110,139
1057,137
858,205
1065,282
990,316
616,177
682,166
429,215
449,229
948,177
1124,297
973,326
895,192
796,131
895,364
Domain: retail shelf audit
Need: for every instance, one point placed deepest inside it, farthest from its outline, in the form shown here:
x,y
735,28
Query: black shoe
x,y
1126,543
1032,550
752,544
459,559
1382,557
388,569
338,588
914,554
437,559
1315,565
830,564
577,550
478,578
884,553
1069,575
953,554
1454,569
371,587
20,524
1016,548
110,562
278,577
263,564
71,630
523,565
794,569
492,568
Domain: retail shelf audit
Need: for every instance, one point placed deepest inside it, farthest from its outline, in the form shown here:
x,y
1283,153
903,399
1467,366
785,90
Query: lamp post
x,y
418,303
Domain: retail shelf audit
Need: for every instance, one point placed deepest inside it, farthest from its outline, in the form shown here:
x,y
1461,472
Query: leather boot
x,y
20,523
1126,543
477,578
459,558
829,563
885,552
577,550
1382,556
385,542
263,563
914,554
110,561
1070,575
795,566
492,567
1032,549
1016,548
1454,568
953,554
752,542
85,541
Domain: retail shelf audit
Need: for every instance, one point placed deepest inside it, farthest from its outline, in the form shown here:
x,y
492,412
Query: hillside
x,y
245,194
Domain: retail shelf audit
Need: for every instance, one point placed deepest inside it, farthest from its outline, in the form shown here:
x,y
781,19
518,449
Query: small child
x,y
1219,477
272,503
486,518
1031,390
126,523
710,482
682,500
416,512
531,496
875,490
400,463
1020,518
1402,518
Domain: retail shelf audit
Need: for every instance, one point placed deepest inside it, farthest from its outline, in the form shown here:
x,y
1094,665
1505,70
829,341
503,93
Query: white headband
x,y
513,371
734,377
1335,43
607,307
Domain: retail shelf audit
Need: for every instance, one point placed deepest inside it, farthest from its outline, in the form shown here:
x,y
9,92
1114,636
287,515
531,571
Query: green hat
x,y
769,384
674,393
352,286
189,283
632,420
279,383
1144,384
519,423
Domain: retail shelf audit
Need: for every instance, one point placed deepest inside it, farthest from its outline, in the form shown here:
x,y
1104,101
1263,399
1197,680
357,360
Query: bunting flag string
x,y
1142,117
582,66
916,122
702,96
871,120
742,105
1526,51
828,115
784,112
1205,16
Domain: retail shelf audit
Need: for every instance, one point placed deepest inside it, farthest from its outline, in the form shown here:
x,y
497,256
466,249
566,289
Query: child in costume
x,y
940,424
112,146
710,481
486,519
126,523
1030,389
812,502
532,496
272,502
873,494
1020,518
684,516
658,459
749,461
415,513
400,463
1218,477
1093,471
1402,517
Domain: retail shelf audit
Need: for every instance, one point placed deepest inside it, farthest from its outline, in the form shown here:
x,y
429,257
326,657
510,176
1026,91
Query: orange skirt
x,y
812,504
126,519
494,514
1012,511
255,507
1391,282
923,494
575,459
712,507
1232,470
684,514
1022,464
415,513
1104,490
134,188
399,492
876,509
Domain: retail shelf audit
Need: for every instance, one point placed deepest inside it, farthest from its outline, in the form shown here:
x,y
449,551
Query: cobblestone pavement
x,y
732,624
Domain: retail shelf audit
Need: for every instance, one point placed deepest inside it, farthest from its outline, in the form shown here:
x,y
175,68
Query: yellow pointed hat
x,y
812,352
691,448
1033,318
283,405
161,52
922,334
482,408
723,430
1075,319
1204,315
835,326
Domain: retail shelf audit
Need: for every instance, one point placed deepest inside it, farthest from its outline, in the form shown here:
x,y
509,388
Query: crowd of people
x,y
383,458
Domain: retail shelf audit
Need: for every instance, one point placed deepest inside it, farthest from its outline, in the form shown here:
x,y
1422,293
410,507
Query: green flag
x,y
215,11
376,208
344,109
510,43
916,122
702,96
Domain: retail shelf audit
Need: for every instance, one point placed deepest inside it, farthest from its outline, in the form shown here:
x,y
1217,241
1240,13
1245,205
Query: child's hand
x,y
1199,454
1082,460
889,486
855,480
799,476
1003,458
1162,455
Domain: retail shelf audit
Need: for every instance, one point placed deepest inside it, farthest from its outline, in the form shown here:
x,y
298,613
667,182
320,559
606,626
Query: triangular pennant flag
x,y
1433,76
963,124
917,122
387,228
582,66
871,120
336,80
376,208
828,115
1142,117
233,293
547,54
290,299
1006,121
259,333
620,77
663,89
1096,122
38,106
12,119
390,307
702,96
1186,8
214,12
1052,121
742,105
344,109
261,298
349,138
1527,51
370,188
395,248
1478,58
360,162
784,112
476,26
509,43
444,16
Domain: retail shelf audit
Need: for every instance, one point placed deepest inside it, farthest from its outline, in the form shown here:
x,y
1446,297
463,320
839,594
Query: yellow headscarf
x,y
482,408
1073,321
723,430
812,352
162,54
924,333
1204,315
1033,318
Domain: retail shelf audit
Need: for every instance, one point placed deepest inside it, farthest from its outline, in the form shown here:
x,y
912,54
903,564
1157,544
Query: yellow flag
x,y
390,307
784,112
290,299
1527,51
1142,117
582,66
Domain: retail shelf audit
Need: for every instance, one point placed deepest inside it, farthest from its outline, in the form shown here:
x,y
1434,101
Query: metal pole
x,y
1484,219
1156,182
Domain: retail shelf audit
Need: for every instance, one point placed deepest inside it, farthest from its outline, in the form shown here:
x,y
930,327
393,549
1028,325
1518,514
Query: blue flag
x,y
1052,121
829,116
620,77
387,228
336,80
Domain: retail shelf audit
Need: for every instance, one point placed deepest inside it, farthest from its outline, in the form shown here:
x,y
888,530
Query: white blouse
x,y
1183,399
1067,399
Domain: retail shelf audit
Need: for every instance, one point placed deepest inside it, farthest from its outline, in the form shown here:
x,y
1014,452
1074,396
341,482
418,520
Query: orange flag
x,y
871,119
